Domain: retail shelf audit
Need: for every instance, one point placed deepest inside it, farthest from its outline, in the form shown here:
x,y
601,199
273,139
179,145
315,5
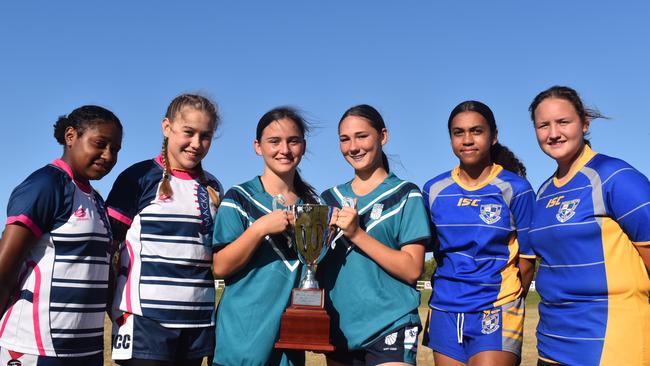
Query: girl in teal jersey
x,y
251,253
481,212
370,273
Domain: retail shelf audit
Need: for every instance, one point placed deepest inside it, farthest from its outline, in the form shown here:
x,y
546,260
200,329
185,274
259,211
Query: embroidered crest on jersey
x,y
490,213
377,209
391,339
567,210
490,322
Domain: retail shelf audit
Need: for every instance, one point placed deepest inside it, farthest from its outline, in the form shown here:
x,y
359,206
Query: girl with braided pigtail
x,y
162,213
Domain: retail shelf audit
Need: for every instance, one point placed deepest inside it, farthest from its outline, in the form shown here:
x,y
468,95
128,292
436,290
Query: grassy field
x,y
425,356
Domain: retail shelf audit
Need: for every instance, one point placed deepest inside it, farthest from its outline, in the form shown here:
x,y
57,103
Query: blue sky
x,y
412,60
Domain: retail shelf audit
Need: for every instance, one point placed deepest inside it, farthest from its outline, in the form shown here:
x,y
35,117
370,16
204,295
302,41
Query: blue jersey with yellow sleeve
x,y
594,286
364,301
480,233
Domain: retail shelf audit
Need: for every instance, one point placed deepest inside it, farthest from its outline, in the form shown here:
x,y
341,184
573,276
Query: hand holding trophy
x,y
305,324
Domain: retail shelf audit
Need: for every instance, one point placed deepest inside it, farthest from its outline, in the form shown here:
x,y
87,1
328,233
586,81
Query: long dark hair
x,y
303,189
499,153
375,119
571,96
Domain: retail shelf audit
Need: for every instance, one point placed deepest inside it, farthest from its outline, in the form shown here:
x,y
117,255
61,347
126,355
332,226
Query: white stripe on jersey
x,y
171,237
172,279
176,307
79,335
80,271
565,191
79,285
564,224
174,261
570,265
173,293
169,219
82,258
261,206
239,209
480,225
89,237
77,306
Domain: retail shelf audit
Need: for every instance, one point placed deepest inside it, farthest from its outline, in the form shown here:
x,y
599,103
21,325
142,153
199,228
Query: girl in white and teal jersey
x,y
251,253
370,274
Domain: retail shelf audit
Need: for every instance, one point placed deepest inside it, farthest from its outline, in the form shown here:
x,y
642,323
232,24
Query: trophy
x,y
305,324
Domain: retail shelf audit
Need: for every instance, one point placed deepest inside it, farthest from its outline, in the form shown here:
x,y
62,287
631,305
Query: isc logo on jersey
x,y
567,208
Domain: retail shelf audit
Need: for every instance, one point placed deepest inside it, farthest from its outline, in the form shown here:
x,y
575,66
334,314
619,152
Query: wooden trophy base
x,y
305,327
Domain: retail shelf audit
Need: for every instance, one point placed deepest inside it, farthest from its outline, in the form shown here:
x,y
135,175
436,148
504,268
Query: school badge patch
x,y
377,209
490,213
567,210
490,322
390,339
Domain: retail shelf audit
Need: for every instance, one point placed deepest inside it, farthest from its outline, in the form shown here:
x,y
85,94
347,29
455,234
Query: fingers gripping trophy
x,y
305,324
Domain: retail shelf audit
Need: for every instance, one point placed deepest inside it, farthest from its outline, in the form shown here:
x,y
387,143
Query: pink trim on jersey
x,y
35,316
83,185
119,217
180,174
129,307
25,220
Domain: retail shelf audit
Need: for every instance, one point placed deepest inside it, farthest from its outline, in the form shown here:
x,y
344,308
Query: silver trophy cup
x,y
311,236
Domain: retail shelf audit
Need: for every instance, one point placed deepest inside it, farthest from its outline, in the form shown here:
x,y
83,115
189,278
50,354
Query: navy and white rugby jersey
x,y
58,309
165,260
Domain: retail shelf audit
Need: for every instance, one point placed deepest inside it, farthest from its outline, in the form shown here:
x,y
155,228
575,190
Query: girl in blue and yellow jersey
x,y
55,250
481,213
590,230
252,255
370,274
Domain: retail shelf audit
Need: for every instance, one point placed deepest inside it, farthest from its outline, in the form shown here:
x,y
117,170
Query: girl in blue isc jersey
x,y
590,230
481,213
162,212
54,252
369,275
251,253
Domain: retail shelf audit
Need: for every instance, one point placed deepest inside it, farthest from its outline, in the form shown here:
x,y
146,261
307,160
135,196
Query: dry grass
x,y
425,356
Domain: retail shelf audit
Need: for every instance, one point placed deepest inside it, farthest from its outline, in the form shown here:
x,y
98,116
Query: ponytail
x,y
165,191
501,155
304,190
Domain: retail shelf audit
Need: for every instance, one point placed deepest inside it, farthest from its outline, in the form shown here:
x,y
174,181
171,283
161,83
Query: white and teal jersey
x,y
248,316
364,301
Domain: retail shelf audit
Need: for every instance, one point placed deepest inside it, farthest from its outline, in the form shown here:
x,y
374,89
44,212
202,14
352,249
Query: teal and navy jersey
x,y
165,260
595,306
364,301
61,294
255,297
480,232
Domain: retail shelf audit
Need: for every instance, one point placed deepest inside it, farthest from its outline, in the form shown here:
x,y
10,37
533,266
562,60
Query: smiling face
x,y
189,136
471,139
560,130
92,154
282,146
361,144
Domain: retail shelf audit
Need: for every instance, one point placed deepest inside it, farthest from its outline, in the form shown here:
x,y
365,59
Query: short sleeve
x,y
414,224
521,208
123,200
432,227
231,221
627,196
37,202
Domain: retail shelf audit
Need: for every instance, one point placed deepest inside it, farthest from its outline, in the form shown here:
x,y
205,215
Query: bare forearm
x,y
527,270
405,265
234,256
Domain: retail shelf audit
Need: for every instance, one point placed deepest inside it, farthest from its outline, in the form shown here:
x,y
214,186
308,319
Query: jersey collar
x,y
586,155
83,184
494,171
180,174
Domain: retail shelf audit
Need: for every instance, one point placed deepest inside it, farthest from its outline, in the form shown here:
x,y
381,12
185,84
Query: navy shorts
x,y
399,345
137,337
462,335
12,358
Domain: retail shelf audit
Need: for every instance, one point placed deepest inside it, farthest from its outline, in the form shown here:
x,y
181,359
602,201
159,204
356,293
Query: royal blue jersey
x,y
165,260
364,301
595,307
58,309
480,232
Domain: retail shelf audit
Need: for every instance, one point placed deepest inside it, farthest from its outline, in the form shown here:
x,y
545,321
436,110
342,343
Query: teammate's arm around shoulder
x,y
229,259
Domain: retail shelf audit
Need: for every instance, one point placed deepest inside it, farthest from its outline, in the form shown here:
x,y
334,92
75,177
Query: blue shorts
x,y
462,335
137,337
11,358
399,345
